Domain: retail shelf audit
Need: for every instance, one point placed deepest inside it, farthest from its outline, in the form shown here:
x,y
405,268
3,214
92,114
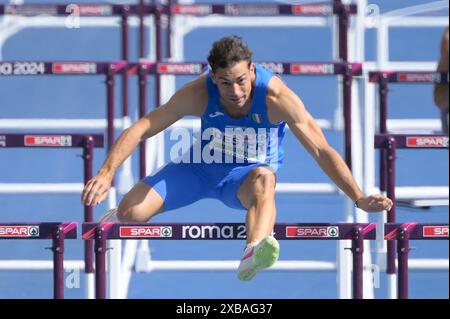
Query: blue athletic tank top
x,y
247,140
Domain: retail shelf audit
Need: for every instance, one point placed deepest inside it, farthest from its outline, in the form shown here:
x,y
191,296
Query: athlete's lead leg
x,y
257,194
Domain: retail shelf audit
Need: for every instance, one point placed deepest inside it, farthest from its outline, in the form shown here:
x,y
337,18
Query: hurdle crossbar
x,y
100,232
57,232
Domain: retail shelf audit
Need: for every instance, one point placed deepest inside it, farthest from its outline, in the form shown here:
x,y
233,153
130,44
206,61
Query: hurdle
x,y
83,11
39,68
54,140
389,143
100,232
57,232
251,9
404,232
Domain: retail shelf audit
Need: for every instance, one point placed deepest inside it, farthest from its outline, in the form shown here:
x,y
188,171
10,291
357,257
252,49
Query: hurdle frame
x,y
403,233
57,232
65,140
389,143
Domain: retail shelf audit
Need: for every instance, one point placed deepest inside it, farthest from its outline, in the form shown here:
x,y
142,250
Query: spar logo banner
x,y
312,68
48,140
435,231
180,68
312,232
19,231
427,141
95,10
312,9
191,9
425,77
145,231
74,68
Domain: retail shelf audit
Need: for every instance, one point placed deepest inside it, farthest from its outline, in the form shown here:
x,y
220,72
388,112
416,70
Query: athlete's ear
x,y
252,67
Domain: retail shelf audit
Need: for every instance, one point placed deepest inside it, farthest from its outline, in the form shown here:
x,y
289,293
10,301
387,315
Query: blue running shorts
x,y
181,184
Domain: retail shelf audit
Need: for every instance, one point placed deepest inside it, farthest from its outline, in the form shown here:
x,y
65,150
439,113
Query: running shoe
x,y
258,257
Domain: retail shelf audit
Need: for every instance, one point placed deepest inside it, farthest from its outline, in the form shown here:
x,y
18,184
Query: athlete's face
x,y
235,83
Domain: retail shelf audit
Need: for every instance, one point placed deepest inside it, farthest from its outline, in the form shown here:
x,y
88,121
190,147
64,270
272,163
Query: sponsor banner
x,y
418,77
273,67
48,140
251,10
318,9
427,141
214,232
31,10
95,10
145,231
435,231
22,68
313,68
2,141
191,9
180,68
19,231
74,68
312,232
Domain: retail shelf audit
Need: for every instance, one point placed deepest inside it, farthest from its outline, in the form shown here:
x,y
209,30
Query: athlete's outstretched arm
x,y
287,106
186,101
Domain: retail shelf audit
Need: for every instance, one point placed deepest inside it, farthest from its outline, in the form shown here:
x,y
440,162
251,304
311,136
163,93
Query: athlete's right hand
x,y
96,190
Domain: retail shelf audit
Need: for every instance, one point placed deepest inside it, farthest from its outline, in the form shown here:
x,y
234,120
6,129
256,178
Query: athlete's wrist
x,y
358,201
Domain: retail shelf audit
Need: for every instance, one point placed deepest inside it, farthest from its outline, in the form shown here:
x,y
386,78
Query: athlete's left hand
x,y
375,203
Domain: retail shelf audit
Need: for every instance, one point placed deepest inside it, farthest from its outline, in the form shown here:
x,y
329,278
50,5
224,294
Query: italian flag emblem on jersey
x,y
257,118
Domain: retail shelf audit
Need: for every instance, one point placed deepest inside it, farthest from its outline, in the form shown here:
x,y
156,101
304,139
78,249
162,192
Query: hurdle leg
x,y
100,263
391,217
357,250
58,262
402,254
88,158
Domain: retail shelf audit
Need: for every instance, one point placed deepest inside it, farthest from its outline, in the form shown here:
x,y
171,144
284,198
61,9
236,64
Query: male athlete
x,y
244,110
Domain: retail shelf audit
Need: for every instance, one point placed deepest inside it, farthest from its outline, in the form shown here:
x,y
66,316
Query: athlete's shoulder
x,y
275,88
192,97
196,86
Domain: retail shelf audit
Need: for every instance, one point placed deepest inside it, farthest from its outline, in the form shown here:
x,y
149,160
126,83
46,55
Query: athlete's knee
x,y
259,186
264,182
126,213
140,204
130,211
136,213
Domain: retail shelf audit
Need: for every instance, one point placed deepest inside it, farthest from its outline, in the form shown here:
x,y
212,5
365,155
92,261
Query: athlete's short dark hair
x,y
228,51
